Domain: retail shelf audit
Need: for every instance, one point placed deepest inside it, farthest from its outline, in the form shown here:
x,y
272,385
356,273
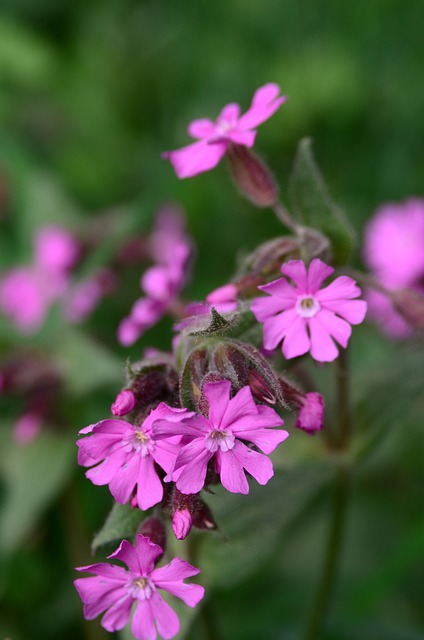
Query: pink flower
x,y
125,456
394,244
215,137
311,413
219,436
27,428
27,292
394,252
113,590
198,314
84,296
182,522
306,317
171,249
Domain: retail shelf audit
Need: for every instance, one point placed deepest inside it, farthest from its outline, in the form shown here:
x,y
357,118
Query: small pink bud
x,y
124,403
311,414
27,428
181,524
252,177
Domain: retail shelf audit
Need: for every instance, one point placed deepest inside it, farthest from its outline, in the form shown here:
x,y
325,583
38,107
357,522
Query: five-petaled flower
x,y
219,436
305,317
229,128
125,456
113,590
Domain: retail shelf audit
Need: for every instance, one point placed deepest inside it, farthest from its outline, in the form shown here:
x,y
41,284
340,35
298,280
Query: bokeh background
x,y
91,93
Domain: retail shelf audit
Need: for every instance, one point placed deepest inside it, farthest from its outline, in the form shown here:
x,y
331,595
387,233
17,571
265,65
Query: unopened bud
x,y
410,305
260,388
252,177
154,529
124,403
202,517
311,413
182,523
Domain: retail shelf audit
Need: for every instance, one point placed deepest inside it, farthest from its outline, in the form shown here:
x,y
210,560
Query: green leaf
x,y
313,205
251,527
33,475
122,522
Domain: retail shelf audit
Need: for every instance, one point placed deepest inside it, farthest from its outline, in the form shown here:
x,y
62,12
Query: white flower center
x,y
307,306
219,440
223,127
141,588
142,443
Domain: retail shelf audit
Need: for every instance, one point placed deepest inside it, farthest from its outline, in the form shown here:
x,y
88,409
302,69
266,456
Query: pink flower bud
x,y
27,428
181,524
311,414
252,177
124,403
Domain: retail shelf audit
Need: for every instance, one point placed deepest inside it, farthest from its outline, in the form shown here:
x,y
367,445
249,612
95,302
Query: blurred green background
x,y
91,93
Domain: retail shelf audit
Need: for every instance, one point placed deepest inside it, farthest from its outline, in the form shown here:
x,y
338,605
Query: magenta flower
x,y
215,137
219,436
171,249
125,456
27,292
305,317
394,253
113,590
83,297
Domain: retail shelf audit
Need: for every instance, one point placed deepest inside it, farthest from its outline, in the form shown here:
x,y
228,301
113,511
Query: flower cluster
x,y
171,250
208,413
394,253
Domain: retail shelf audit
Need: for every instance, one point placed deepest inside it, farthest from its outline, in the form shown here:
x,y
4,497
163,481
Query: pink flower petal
x,y
318,271
143,622
117,616
147,552
122,484
218,395
323,348
104,472
202,128
98,594
149,486
190,594
106,570
176,570
258,465
196,158
230,113
165,617
127,554
353,311
195,427
239,406
231,472
296,270
275,328
245,138
296,341
341,288
265,102
165,453
193,460
338,328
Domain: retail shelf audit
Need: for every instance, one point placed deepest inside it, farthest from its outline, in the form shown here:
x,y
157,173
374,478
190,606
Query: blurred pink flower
x,y
26,293
219,436
113,590
305,317
83,297
171,249
394,253
123,456
27,428
230,127
310,417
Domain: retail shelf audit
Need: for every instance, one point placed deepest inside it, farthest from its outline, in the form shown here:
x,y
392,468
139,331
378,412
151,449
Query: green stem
x,y
326,584
284,216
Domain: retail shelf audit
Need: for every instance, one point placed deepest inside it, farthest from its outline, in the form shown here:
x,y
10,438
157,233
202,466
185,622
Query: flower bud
x,y
410,305
154,529
182,523
311,413
260,388
252,177
202,516
124,403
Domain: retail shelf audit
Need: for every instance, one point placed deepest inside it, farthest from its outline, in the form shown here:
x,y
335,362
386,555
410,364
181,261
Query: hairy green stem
x,y
326,584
